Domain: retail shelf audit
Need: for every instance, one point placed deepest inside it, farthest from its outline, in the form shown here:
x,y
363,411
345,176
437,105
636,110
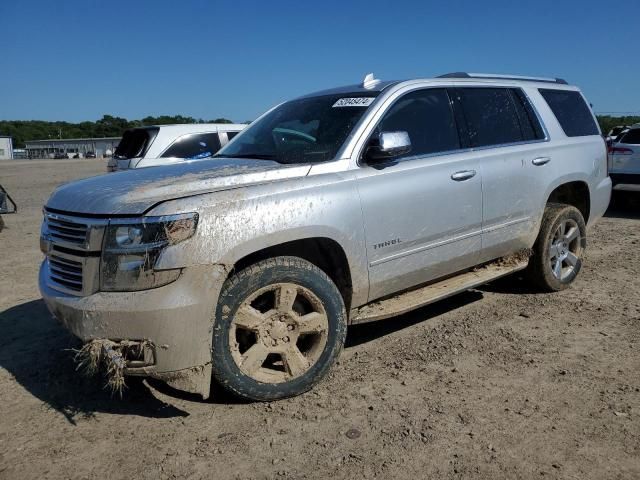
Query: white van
x,y
165,144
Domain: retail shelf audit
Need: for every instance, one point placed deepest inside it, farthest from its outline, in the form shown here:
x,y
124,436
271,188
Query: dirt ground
x,y
499,382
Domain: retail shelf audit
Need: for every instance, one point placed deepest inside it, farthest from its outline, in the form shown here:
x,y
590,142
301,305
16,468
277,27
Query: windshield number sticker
x,y
354,102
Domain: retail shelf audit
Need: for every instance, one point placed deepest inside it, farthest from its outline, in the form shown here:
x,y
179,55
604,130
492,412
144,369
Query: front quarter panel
x,y
237,222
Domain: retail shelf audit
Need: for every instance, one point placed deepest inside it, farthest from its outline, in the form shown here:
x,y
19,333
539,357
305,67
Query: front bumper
x,y
176,318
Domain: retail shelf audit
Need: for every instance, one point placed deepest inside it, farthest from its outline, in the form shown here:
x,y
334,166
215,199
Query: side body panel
x,y
235,223
420,224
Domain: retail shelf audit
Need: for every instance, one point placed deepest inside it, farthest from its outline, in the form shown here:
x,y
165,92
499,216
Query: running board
x,y
412,299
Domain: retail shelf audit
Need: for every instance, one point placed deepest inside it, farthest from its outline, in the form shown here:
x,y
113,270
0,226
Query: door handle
x,y
541,161
463,175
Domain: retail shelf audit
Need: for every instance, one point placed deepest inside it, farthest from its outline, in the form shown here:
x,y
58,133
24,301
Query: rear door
x,y
508,141
422,212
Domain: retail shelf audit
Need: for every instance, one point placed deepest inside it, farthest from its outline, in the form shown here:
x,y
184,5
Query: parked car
x,y
624,160
615,132
60,155
90,154
166,144
344,206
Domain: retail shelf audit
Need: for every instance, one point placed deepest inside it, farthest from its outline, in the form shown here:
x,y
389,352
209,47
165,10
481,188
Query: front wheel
x,y
557,253
280,325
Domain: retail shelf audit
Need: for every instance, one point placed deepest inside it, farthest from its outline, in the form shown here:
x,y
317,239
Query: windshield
x,y
301,131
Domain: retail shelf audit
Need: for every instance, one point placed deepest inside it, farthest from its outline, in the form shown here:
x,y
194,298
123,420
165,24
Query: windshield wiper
x,y
252,156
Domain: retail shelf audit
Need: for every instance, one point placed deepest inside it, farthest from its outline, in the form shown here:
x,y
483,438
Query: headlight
x,y
131,249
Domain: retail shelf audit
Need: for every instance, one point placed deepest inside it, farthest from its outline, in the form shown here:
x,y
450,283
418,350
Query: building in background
x,y
6,148
19,153
100,147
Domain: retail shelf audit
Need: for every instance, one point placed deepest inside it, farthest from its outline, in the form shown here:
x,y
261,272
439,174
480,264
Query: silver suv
x,y
343,206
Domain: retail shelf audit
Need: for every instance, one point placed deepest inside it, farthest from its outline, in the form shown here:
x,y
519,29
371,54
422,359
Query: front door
x,y
422,212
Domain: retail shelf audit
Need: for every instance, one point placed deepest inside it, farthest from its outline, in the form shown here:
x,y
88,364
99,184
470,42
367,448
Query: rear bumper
x,y
600,198
176,319
626,181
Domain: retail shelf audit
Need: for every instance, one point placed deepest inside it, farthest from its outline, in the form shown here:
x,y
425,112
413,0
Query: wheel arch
x,y
324,251
573,192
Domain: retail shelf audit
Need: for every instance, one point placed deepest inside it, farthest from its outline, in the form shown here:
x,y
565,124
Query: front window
x,y
302,131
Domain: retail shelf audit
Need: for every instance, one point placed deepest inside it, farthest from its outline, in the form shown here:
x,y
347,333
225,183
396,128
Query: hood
x,y
133,192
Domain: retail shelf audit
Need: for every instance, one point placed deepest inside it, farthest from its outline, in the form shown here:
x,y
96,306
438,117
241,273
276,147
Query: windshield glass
x,y
301,131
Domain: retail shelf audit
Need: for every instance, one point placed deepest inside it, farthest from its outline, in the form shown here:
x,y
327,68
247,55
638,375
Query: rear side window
x,y
632,137
230,135
427,117
491,115
572,112
134,143
197,145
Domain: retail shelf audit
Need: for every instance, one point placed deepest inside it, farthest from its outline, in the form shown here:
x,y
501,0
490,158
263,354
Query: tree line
x,y
607,122
110,126
107,126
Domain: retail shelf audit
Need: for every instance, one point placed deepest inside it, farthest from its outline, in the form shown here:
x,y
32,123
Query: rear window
x,y
491,115
194,146
529,123
134,143
572,112
632,137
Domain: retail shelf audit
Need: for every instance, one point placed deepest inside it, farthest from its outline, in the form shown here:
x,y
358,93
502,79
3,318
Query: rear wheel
x,y
280,325
557,253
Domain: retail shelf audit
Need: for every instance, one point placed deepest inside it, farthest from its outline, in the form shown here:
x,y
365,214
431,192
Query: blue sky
x,y
77,60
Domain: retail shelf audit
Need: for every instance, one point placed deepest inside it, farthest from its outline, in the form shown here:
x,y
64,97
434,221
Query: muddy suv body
x,y
343,206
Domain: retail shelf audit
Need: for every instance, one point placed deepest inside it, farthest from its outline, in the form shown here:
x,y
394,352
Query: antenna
x,y
370,81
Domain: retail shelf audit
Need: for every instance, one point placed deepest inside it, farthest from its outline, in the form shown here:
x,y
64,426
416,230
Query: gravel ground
x,y
498,382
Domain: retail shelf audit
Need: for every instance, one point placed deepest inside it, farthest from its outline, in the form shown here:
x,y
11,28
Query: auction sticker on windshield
x,y
354,102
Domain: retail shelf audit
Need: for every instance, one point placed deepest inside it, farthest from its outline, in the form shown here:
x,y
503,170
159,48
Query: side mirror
x,y
388,145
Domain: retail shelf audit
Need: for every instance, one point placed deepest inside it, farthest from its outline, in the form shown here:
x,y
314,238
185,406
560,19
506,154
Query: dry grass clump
x,y
111,355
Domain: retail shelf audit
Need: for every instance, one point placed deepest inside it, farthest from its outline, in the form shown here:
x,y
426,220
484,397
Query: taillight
x,y
620,151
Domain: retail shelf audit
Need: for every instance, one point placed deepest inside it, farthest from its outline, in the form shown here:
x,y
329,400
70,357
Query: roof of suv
x,y
378,86
180,128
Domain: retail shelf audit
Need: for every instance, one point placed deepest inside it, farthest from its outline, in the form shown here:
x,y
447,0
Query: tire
x,y
280,325
557,253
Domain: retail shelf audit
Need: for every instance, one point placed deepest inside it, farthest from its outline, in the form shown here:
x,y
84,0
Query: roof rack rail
x,y
502,77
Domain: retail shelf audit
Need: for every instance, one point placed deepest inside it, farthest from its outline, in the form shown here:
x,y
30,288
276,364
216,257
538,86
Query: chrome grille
x,y
65,272
67,231
72,245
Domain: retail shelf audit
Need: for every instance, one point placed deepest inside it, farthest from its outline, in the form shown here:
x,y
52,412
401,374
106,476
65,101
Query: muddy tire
x,y
557,253
280,325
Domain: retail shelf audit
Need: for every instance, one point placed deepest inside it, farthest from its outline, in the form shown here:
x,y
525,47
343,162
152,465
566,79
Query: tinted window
x,y
198,145
632,137
491,116
427,117
572,112
230,135
529,123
